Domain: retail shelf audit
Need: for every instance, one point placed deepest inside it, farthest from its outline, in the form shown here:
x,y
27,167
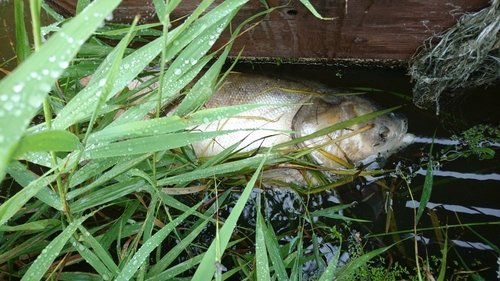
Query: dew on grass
x,y
52,58
45,87
18,87
102,82
63,64
55,74
15,98
178,71
109,17
8,106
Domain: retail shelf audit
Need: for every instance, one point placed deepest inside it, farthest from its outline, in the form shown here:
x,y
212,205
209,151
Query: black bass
x,y
315,106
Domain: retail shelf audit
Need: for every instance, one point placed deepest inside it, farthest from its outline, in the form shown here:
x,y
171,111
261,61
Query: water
x,y
465,190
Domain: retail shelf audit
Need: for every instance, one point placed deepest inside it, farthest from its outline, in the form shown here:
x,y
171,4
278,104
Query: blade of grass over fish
x,y
202,90
178,40
149,144
205,86
24,177
167,124
148,246
427,188
26,87
42,263
221,169
338,126
261,262
51,140
207,267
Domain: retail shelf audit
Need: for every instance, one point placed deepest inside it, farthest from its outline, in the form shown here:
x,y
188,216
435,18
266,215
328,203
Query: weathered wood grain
x,y
362,29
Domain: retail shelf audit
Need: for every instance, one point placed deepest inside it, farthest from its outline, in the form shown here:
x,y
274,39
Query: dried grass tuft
x,y
467,55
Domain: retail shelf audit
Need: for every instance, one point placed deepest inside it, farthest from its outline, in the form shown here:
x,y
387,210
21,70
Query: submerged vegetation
x,y
96,191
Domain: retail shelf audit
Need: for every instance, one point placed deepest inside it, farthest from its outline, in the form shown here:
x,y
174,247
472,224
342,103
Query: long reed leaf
x,y
25,88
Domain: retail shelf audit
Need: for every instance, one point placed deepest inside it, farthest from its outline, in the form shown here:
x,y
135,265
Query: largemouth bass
x,y
311,107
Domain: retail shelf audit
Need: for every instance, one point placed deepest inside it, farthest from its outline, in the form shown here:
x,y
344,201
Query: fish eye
x,y
383,133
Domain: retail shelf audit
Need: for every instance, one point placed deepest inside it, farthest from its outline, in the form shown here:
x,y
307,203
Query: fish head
x,y
365,141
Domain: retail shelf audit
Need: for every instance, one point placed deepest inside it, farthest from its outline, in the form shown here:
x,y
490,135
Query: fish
x,y
296,108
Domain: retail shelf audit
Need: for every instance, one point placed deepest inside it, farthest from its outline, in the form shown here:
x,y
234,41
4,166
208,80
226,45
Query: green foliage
x,y
477,139
92,174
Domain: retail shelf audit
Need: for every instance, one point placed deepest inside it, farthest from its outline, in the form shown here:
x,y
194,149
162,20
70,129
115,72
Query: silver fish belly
x,y
311,107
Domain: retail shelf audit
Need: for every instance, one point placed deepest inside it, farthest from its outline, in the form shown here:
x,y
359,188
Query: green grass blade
x,y
100,254
169,124
273,249
207,267
148,246
42,263
427,188
31,226
16,202
160,268
49,140
172,272
352,266
261,261
25,177
311,9
92,259
23,91
107,194
23,49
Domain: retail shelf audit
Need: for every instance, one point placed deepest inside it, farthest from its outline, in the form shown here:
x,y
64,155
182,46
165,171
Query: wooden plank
x,y
362,29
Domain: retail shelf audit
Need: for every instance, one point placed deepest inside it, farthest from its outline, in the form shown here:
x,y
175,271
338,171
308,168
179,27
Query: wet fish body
x,y
310,107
